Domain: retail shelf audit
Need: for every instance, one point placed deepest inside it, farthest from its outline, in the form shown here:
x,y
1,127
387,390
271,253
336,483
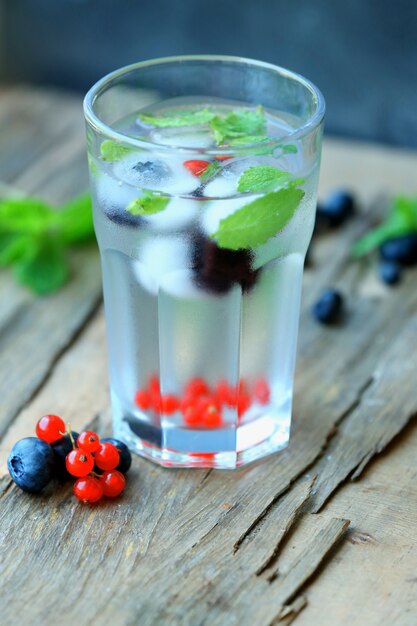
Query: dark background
x,y
361,53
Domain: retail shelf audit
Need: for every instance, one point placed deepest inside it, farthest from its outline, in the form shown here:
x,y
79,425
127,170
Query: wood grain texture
x,y
201,547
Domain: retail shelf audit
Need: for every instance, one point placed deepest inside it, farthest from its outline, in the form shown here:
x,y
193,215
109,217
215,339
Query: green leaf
x,y
44,268
256,222
147,204
262,178
13,246
401,220
179,118
210,171
247,140
113,151
288,148
25,215
239,123
75,220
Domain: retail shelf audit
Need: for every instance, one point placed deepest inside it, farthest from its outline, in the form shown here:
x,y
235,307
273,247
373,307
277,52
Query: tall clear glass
x,y
204,175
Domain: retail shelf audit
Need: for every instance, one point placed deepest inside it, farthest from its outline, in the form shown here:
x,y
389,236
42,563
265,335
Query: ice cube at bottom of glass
x,y
159,173
177,215
159,257
190,138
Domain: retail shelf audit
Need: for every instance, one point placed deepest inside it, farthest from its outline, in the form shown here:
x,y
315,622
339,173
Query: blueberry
x,y
151,171
322,221
389,272
402,249
122,217
328,308
217,269
31,464
338,207
60,449
125,456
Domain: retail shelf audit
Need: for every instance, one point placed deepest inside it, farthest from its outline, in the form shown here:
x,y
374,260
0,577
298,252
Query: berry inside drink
x,y
203,230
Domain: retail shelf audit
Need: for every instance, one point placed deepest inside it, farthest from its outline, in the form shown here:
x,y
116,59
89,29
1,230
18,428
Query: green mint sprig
x,y
34,238
262,178
256,222
113,151
211,170
147,204
179,118
401,220
237,125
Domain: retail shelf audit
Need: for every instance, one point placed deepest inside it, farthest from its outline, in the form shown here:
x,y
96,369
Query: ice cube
x,y
166,174
190,138
176,215
113,198
159,257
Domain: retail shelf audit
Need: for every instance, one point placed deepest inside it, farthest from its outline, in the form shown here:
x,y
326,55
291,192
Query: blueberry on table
x,y
31,464
60,449
402,249
337,208
125,456
389,272
328,308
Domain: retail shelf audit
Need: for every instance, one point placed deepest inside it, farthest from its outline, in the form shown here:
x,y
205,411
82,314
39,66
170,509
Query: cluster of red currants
x,y
200,404
91,461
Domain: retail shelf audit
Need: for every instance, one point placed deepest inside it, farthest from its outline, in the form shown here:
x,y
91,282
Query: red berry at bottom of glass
x,y
79,463
107,456
50,428
113,483
88,489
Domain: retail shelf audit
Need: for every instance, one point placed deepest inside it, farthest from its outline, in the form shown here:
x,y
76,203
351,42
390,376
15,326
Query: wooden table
x,y
294,537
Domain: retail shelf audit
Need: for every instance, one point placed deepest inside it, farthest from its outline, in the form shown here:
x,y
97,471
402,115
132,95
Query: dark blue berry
x,y
150,171
402,249
31,464
122,217
389,272
328,308
125,456
337,208
60,449
322,221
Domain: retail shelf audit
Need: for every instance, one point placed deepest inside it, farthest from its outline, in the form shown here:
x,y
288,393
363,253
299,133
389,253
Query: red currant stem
x,y
71,437
95,474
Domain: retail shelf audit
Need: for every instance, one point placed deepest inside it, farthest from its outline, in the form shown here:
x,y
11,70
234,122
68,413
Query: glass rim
x,y
99,126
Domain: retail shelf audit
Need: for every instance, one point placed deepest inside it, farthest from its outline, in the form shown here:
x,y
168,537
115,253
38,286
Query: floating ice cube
x,y
166,174
190,138
159,257
114,197
176,215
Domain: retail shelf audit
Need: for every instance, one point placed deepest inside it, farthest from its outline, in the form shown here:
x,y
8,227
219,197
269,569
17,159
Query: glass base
x,y
246,443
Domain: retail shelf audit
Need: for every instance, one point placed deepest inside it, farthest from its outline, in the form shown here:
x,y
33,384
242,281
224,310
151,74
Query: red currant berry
x,y
206,403
154,386
243,403
261,391
142,399
113,483
196,387
88,441
220,157
212,417
196,167
50,428
107,456
88,489
191,417
225,393
169,404
79,462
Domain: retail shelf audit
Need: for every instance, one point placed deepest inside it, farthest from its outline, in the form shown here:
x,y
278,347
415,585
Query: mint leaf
x,y
179,118
256,222
247,140
28,215
210,171
239,123
147,204
75,220
262,178
401,220
288,148
43,268
113,151
13,246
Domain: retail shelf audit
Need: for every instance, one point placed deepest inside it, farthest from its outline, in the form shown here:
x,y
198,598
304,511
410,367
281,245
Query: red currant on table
x,y
196,166
107,457
50,428
88,441
88,489
79,462
113,483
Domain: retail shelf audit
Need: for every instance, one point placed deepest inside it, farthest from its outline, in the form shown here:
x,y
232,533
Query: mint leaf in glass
x,y
210,171
147,204
113,151
262,178
179,118
401,220
256,222
238,123
248,140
